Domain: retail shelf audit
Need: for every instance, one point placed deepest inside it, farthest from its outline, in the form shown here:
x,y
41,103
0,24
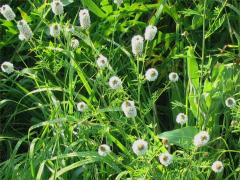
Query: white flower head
x,y
7,12
118,2
137,45
25,31
201,139
140,147
104,150
165,158
55,30
129,109
181,118
230,102
151,74
7,67
74,43
84,18
57,7
102,61
115,82
69,28
173,77
82,106
150,32
21,37
217,166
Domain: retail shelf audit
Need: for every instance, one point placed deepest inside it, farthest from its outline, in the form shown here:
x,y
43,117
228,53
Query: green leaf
x,y
181,137
94,8
67,2
24,15
193,73
215,26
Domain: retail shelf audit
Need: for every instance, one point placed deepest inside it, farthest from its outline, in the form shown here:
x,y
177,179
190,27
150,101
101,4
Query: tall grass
x,y
43,134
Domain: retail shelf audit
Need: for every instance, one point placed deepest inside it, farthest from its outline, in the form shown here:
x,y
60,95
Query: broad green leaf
x,y
67,2
192,65
94,8
181,137
24,15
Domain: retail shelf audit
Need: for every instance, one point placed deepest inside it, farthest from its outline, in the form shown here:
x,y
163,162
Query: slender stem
x,y
202,58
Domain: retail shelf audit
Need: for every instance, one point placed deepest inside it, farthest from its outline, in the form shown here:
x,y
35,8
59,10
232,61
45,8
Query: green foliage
x,y
44,136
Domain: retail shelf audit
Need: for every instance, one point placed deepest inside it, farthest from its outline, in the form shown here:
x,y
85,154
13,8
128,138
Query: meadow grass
x,y
120,89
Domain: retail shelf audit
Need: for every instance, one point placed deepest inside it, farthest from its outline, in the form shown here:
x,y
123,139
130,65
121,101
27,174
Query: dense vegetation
x,y
107,89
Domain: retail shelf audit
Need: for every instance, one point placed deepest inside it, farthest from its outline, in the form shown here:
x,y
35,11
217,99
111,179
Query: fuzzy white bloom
x,y
129,109
151,74
102,61
181,118
140,147
74,43
230,102
25,31
150,32
57,7
115,82
165,158
82,106
201,139
137,45
104,150
7,12
217,166
118,2
70,28
173,77
21,37
7,67
84,18
55,30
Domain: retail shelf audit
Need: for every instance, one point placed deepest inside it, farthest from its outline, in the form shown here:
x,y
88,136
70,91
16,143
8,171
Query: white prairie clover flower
x,y
84,18
55,30
21,37
70,28
165,158
151,74
118,2
74,43
173,77
181,118
150,32
129,109
57,7
102,61
82,106
25,31
7,12
115,82
140,147
137,45
217,166
230,102
104,150
201,139
7,67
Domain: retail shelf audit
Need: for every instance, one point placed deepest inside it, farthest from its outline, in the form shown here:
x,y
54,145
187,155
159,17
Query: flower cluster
x,y
7,67
129,109
84,18
57,7
25,31
201,139
7,12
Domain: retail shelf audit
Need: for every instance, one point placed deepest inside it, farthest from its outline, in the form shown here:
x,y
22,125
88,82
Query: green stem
x,y
203,59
